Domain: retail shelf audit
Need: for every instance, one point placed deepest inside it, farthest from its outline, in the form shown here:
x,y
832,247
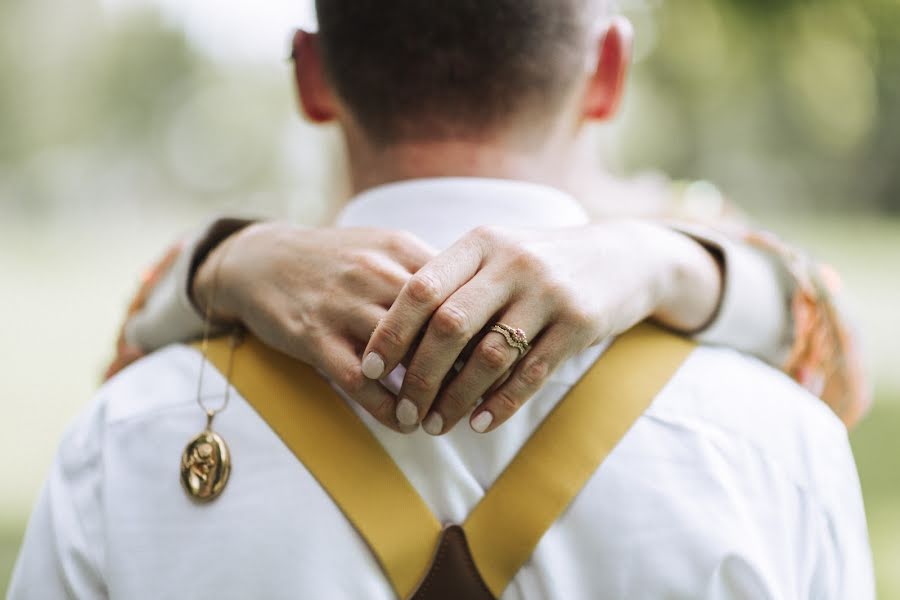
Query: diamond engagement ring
x,y
514,336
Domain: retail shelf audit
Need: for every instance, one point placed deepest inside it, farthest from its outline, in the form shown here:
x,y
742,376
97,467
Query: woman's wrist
x,y
206,254
216,280
692,282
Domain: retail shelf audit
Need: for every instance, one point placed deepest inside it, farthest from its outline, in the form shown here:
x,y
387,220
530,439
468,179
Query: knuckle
x,y
353,381
368,260
358,265
569,307
507,403
449,322
424,288
384,412
294,327
534,373
495,355
489,233
400,242
454,404
582,319
417,384
558,292
389,336
525,261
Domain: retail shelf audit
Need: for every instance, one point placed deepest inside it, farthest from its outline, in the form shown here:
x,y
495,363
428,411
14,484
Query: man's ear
x,y
607,83
316,97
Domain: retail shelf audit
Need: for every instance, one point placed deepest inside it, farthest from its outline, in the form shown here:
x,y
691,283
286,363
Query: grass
x,y
10,538
878,460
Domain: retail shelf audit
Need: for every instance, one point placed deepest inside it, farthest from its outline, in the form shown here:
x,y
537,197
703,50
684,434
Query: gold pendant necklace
x,y
206,460
205,466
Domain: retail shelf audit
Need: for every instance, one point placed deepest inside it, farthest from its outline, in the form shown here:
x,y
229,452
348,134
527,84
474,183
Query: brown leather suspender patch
x,y
453,574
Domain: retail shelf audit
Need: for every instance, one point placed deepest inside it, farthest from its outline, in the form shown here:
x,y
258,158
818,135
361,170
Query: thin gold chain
x,y
204,349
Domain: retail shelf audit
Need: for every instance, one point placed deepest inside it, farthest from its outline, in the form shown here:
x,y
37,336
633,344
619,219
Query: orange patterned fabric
x,y
127,353
824,358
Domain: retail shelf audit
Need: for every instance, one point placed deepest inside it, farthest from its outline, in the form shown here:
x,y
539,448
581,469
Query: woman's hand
x,y
567,289
314,294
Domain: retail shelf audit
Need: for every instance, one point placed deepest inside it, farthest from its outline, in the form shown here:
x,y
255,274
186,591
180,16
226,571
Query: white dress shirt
x,y
735,483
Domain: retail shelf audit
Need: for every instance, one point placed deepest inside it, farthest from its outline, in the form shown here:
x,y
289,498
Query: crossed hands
x,y
356,303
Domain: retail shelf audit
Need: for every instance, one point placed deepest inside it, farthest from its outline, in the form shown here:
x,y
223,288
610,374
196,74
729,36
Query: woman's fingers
x,y
372,277
419,299
361,321
491,360
449,331
340,364
408,250
556,345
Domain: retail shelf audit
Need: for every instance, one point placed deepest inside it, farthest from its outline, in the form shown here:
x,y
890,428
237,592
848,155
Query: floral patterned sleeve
x,y
823,354
128,352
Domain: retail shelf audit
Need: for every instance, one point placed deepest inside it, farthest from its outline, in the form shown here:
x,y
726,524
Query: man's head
x,y
397,72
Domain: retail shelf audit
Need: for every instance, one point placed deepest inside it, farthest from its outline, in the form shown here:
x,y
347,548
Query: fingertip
x,y
482,421
433,424
407,413
373,366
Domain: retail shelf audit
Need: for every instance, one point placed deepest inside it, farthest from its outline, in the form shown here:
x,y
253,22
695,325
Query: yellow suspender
x,y
504,528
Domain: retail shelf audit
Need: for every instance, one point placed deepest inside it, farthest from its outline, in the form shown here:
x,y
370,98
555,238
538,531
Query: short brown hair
x,y
425,69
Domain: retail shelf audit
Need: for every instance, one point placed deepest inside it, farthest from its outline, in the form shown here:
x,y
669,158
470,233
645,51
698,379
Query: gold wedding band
x,y
514,336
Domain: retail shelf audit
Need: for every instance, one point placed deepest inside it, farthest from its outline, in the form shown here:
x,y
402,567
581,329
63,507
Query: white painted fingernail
x,y
482,422
373,366
433,424
407,412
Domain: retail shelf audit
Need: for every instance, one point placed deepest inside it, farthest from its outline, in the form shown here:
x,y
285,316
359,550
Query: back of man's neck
x,y
455,158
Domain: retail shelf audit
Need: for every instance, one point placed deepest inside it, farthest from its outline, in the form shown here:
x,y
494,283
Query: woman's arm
x,y
754,313
162,311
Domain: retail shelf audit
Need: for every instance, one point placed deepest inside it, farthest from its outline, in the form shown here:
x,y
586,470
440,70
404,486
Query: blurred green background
x,y
125,122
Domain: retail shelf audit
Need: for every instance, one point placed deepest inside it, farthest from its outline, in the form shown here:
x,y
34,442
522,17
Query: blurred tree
x,y
787,104
101,109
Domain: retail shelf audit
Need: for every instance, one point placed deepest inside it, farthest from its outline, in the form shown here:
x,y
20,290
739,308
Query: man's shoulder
x,y
164,380
723,384
736,400
153,387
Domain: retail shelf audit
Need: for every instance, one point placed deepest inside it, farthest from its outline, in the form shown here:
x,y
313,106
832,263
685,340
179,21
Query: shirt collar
x,y
442,210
